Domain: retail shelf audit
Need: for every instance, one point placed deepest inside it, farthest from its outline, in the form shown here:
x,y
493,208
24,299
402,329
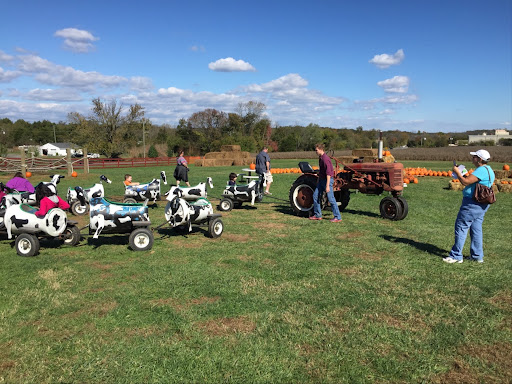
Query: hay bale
x,y
501,174
363,152
223,162
199,162
241,162
456,186
347,159
230,148
369,159
214,155
507,188
388,159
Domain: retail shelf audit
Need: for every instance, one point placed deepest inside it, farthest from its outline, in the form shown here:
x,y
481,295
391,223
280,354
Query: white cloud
x,y
5,58
397,84
231,65
141,83
282,84
77,40
53,94
385,60
7,76
47,72
197,48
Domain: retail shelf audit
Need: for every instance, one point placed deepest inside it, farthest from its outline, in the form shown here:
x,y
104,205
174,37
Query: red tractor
x,y
367,178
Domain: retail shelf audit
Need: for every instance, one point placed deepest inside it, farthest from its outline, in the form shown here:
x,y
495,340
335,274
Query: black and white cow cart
x,y
20,220
79,207
143,192
192,193
111,217
234,196
182,214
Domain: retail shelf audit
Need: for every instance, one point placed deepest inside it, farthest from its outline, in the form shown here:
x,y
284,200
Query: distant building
x,y
56,149
498,135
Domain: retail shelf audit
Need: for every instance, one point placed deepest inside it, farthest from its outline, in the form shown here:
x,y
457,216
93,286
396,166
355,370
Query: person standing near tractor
x,y
325,183
263,169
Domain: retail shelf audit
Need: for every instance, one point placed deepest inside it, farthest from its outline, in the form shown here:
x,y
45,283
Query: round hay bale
x,y
456,186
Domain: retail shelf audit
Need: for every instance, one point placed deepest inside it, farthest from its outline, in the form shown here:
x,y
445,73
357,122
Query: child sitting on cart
x,y
232,178
47,200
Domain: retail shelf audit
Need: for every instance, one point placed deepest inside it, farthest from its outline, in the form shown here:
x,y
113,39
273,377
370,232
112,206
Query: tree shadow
x,y
425,247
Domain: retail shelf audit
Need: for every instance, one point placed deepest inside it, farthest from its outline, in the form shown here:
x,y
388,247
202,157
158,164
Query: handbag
x,y
483,194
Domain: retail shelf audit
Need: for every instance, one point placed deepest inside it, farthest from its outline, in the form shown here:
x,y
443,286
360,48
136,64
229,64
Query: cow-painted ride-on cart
x,y
78,207
143,192
106,216
21,220
234,196
183,215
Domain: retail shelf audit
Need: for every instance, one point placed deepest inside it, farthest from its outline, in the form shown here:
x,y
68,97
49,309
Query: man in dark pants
x,y
325,183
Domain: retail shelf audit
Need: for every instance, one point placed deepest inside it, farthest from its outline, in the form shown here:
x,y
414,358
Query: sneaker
x,y
268,193
476,260
335,220
314,218
451,260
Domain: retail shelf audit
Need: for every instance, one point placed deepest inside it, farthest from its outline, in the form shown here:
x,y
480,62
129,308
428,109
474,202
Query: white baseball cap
x,y
481,153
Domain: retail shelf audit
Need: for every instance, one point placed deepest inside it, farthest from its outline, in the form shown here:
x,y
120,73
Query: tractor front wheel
x,y
390,208
78,209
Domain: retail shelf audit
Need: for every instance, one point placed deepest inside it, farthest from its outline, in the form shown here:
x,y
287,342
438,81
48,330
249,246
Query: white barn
x,y
56,149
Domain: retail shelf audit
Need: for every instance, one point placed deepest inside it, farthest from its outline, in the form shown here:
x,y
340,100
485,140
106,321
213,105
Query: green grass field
x,y
276,298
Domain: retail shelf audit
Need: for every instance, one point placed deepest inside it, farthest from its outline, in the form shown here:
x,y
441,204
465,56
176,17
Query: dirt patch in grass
x,y
227,326
502,300
94,309
497,357
349,235
232,237
376,256
185,242
182,306
269,225
352,271
335,320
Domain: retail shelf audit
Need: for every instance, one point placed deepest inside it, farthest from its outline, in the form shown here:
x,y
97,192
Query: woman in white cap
x,y
471,213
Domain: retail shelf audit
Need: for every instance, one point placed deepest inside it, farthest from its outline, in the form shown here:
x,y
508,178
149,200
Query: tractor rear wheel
x,y
78,209
141,239
301,195
391,208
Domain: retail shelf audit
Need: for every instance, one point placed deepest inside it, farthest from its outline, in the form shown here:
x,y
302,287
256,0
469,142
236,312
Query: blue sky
x,y
397,64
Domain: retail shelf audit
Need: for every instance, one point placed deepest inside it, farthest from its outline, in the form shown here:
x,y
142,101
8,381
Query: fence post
x,y
23,162
68,161
86,160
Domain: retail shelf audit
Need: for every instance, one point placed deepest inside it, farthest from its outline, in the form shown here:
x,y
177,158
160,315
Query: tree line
x,y
111,129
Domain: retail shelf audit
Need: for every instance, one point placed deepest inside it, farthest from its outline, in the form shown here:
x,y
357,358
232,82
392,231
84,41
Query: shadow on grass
x,y
121,239
360,213
425,247
182,231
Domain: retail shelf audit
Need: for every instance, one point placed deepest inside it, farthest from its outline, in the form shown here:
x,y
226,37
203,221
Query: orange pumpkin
x,y
74,174
506,167
415,181
252,166
504,182
28,174
407,181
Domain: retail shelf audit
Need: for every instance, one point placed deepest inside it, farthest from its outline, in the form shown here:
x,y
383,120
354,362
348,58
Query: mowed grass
x,y
276,298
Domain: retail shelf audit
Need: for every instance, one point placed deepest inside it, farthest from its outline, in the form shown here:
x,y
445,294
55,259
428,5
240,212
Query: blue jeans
x,y
470,217
320,188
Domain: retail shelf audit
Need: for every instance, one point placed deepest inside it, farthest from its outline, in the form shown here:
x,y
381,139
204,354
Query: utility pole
x,y
144,136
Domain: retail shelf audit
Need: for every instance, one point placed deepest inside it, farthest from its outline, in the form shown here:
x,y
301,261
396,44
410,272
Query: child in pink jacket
x,y
48,200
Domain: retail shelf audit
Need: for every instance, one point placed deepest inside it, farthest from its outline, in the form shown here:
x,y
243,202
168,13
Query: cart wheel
x,y
405,207
78,209
71,235
390,208
226,205
27,245
215,228
129,200
141,239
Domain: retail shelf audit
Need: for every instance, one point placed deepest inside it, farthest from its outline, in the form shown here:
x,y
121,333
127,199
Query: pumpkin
x,y
407,181
252,166
28,174
506,167
415,181
74,174
504,182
